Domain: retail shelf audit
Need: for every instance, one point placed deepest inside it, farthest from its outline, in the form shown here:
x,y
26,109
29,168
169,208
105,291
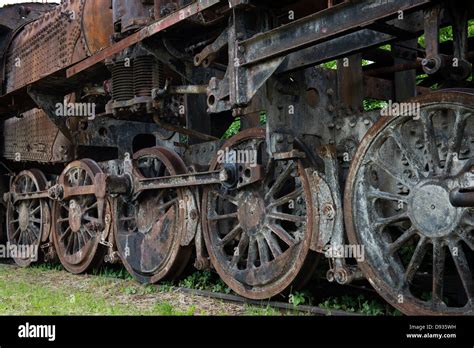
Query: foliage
x,y
109,271
300,298
372,104
358,304
233,129
235,126
204,280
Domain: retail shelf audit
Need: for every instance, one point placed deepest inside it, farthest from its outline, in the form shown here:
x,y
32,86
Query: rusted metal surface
x,y
258,239
57,40
144,33
34,138
416,213
168,78
28,221
13,16
320,26
80,222
150,227
178,181
131,15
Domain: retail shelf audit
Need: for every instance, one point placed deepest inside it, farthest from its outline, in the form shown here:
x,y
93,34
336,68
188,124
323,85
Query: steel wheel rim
x,y
165,258
26,220
77,234
271,248
441,240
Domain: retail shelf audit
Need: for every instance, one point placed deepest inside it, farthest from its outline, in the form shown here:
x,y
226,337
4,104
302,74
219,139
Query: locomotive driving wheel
x,y
78,230
418,246
28,221
149,228
258,236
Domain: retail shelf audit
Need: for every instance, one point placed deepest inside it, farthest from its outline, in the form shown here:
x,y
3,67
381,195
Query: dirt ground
x,y
37,291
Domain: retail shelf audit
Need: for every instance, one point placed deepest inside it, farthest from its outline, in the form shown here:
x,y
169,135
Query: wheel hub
x,y
432,212
24,216
251,212
75,216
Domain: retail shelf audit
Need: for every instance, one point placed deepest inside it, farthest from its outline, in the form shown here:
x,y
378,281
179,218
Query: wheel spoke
x,y
407,152
381,223
377,194
92,219
430,141
35,220
280,181
416,260
462,266
70,243
89,232
168,204
222,217
262,251
28,236
379,163
84,178
400,241
468,240
438,271
240,250
81,237
35,210
286,217
287,198
35,230
252,253
227,197
65,234
15,234
64,205
90,207
272,244
21,238
282,234
455,142
231,235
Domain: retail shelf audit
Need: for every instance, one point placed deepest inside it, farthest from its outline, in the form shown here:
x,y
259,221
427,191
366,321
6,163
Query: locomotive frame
x,y
140,180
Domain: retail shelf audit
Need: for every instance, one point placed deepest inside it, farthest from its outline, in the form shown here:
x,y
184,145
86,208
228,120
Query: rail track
x,y
281,306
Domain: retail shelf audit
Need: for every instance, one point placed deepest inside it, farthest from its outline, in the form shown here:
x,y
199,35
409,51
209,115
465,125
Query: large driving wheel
x,y
78,230
150,227
418,246
258,237
28,221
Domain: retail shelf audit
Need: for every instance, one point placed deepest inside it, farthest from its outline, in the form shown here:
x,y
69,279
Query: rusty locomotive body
x,y
114,148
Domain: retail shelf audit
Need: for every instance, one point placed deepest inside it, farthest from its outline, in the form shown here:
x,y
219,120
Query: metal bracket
x,y
209,53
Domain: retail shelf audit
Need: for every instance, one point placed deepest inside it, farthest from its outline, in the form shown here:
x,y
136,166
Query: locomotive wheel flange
x,y
78,231
28,221
418,247
150,228
258,237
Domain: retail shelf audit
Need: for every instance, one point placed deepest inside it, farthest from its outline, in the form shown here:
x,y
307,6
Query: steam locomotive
x,y
238,135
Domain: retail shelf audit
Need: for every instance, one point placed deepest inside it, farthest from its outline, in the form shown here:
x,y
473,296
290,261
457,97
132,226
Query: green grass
x,y
261,311
20,298
45,290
